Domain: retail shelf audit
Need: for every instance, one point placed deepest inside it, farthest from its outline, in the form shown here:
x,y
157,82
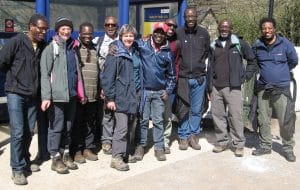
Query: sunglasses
x,y
110,25
172,25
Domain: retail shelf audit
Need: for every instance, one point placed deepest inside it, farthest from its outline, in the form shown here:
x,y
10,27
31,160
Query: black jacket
x,y
238,72
22,66
193,48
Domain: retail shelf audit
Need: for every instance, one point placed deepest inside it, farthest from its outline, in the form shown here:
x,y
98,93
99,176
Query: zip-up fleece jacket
x,y
21,64
158,68
275,62
54,72
237,71
117,80
193,51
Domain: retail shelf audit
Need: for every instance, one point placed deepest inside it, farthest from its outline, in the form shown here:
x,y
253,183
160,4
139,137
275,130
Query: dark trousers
x,y
124,135
42,124
84,130
61,117
108,124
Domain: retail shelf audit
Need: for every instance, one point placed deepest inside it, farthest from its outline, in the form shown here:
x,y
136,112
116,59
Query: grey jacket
x,y
54,72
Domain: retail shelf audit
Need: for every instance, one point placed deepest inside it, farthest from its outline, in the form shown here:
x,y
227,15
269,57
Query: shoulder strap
x,y
99,44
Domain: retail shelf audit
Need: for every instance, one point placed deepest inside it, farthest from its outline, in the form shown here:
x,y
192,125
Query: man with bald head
x,y
193,50
108,122
226,74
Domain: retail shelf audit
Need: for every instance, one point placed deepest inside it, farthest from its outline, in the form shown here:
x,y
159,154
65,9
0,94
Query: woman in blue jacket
x,y
121,83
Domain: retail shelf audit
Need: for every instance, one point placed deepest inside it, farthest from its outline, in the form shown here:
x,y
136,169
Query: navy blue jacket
x,y
275,62
21,63
158,68
117,80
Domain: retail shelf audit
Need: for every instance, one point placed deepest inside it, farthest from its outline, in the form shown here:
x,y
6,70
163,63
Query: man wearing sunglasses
x,y
111,34
20,59
171,37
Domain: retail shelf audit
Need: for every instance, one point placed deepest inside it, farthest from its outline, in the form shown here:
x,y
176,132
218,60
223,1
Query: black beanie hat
x,y
63,21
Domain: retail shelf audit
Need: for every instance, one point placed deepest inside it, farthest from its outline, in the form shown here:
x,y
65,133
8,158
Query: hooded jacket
x,y
117,80
158,67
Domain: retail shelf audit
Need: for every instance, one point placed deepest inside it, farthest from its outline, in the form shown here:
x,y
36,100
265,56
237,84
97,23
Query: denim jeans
x,y
190,125
154,107
22,117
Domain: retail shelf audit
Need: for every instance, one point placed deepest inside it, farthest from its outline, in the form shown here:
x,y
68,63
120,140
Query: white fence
x,y
296,72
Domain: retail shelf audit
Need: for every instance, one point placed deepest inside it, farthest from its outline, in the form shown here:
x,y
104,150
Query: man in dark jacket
x,y
276,57
19,59
225,77
193,47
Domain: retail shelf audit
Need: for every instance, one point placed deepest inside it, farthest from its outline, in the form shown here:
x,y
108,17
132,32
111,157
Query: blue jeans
x,y
154,107
22,117
190,124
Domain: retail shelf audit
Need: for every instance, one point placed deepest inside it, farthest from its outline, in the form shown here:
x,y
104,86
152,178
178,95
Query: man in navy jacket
x,y
276,57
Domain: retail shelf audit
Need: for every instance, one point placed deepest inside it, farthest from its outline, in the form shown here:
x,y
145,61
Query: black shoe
x,y
261,151
290,156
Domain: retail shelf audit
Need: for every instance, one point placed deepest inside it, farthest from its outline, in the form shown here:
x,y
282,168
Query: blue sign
x,y
156,14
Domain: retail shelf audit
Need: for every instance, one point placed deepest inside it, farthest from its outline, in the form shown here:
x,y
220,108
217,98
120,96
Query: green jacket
x,y
54,72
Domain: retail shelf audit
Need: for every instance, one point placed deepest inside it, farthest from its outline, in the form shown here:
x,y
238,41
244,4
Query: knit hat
x,y
161,25
63,21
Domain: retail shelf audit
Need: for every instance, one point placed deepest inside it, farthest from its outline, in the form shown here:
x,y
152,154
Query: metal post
x,y
123,12
182,5
40,7
271,4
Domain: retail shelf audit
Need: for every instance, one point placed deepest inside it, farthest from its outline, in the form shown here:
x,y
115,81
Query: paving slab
x,y
183,170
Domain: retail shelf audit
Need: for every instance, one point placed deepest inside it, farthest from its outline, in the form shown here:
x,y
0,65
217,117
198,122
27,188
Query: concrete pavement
x,y
183,170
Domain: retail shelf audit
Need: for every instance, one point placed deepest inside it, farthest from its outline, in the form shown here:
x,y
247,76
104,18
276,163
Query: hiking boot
x,y
79,158
67,160
193,142
261,151
183,144
167,150
19,178
59,166
219,148
131,159
34,167
119,164
160,155
239,152
107,148
290,156
89,155
139,153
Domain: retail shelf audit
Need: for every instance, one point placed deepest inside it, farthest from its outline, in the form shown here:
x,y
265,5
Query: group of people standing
x,y
120,82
